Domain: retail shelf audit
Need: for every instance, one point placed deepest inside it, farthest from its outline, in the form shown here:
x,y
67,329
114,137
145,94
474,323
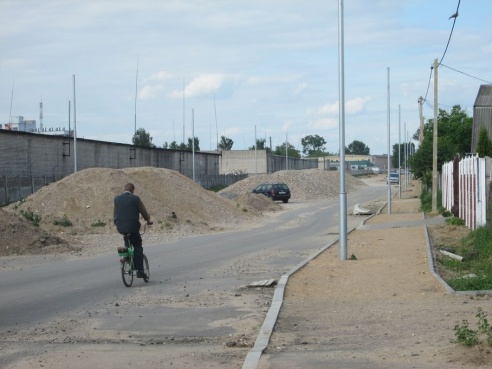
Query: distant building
x,y
482,114
21,125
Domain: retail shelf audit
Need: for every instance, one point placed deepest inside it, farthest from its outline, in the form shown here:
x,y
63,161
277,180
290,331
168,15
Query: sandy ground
x,y
383,310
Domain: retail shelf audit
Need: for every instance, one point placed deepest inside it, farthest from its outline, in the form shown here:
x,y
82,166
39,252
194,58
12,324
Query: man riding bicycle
x,y
127,210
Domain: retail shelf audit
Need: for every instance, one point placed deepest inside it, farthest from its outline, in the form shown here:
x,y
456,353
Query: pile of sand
x,y
82,204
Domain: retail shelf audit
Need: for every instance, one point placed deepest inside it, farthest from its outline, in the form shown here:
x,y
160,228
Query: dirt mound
x,y
83,202
308,184
257,201
19,237
82,205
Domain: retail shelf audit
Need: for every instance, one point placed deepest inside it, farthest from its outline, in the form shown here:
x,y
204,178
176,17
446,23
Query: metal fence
x,y
17,188
14,189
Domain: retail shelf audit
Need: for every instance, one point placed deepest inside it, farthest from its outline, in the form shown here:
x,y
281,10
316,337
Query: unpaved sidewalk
x,y
383,310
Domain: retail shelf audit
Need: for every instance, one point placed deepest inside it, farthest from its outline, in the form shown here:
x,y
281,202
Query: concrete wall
x,y
243,161
246,161
31,154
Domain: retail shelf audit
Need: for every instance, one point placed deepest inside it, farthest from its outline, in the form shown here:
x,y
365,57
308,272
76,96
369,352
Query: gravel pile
x,y
78,209
309,184
83,201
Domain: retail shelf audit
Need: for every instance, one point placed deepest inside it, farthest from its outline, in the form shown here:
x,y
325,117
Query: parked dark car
x,y
276,191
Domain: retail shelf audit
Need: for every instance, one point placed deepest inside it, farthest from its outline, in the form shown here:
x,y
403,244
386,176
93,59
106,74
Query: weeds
x,y
455,221
64,221
474,272
35,219
99,223
471,337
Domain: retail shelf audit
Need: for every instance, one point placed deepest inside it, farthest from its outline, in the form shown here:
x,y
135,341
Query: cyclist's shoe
x,y
141,274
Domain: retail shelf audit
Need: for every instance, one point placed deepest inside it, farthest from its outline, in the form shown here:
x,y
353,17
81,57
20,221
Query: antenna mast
x,y
41,114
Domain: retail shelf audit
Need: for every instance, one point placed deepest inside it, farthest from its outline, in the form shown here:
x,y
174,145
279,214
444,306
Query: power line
x,y
466,74
428,85
454,16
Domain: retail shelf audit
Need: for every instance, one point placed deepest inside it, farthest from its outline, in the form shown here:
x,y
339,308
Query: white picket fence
x,y
474,178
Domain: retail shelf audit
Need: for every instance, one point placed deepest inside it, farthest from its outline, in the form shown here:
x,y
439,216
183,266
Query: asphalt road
x,y
196,285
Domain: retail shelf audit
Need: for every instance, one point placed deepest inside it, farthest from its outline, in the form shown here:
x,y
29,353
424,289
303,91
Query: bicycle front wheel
x,y
146,269
127,272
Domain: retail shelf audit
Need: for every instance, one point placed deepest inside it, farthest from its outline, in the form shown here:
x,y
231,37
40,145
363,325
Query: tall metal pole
x,y
421,117
193,140
405,150
341,108
216,129
136,93
183,110
399,150
69,118
286,154
11,100
256,161
407,177
74,129
389,149
434,142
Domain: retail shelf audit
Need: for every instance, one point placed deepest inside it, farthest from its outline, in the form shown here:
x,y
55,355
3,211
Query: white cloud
x,y
159,76
324,123
301,87
356,105
149,92
202,85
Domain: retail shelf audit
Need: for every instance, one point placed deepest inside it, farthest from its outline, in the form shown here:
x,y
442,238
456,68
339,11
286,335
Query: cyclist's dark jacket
x,y
127,209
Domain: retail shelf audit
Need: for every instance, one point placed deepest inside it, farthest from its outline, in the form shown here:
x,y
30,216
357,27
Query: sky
x,y
265,69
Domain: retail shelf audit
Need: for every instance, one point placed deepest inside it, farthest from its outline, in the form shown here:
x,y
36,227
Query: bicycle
x,y
128,271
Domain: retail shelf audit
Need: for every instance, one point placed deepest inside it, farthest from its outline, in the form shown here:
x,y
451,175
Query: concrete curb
x,y
432,269
253,357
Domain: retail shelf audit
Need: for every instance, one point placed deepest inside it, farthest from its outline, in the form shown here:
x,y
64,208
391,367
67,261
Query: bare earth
x,y
383,310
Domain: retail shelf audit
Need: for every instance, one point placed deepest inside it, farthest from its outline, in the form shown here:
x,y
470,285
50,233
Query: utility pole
x,y
434,142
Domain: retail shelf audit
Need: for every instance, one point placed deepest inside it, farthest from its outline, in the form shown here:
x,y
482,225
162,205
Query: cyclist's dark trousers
x,y
137,246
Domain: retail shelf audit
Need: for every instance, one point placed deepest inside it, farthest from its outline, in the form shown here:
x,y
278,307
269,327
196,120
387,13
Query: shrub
x,y
471,337
64,221
29,215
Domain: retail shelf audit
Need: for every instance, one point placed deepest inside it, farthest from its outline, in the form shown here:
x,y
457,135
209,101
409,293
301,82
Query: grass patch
x,y
64,221
474,272
99,223
35,219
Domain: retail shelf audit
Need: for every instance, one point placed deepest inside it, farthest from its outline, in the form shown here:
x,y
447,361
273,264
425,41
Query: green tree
x,y
394,158
189,147
291,151
225,143
313,146
454,131
260,145
484,144
142,138
358,148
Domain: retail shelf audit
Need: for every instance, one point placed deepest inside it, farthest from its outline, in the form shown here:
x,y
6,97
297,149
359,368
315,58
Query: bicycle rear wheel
x,y
127,272
146,269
